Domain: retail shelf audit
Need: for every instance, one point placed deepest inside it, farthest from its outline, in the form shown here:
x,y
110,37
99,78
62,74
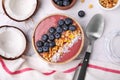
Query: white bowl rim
x,y
116,6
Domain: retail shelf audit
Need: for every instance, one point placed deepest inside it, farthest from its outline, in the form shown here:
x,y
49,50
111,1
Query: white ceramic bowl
x,y
116,6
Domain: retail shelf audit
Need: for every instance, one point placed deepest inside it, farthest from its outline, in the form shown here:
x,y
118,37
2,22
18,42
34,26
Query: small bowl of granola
x,y
109,4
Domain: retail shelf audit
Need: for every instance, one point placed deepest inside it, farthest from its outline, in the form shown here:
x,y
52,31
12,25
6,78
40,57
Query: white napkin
x,y
33,64
34,68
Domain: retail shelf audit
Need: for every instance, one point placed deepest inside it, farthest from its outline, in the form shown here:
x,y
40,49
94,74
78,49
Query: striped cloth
x,y
33,68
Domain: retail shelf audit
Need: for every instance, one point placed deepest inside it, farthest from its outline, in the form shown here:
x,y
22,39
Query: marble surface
x,y
112,23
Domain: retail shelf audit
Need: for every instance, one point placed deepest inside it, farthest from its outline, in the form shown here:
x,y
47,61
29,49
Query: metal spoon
x,y
94,31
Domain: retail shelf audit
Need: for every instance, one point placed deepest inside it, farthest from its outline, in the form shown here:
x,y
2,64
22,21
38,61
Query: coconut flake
x,y
12,42
65,49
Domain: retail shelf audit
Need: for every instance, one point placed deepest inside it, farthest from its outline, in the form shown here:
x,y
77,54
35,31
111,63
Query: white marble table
x,y
46,8
112,23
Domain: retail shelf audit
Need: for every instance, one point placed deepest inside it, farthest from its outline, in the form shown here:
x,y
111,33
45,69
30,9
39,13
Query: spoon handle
x,y
84,66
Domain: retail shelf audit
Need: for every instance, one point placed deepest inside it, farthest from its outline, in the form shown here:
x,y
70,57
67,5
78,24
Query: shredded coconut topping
x,y
65,49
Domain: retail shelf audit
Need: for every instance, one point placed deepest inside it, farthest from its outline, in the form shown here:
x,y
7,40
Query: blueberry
x,y
56,1
68,21
66,3
61,22
72,28
57,35
65,27
60,3
59,29
81,13
52,44
45,48
67,0
51,37
59,26
44,37
46,44
52,30
40,50
39,43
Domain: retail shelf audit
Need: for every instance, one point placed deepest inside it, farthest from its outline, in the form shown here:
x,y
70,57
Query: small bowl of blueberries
x,y
63,4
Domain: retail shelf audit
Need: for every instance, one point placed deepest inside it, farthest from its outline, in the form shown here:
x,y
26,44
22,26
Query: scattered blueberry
x,y
46,44
39,43
72,28
52,44
51,37
40,49
57,35
68,21
52,30
59,29
44,37
65,27
61,22
45,48
66,3
81,13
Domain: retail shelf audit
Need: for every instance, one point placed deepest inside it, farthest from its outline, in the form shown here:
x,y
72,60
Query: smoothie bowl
x,y
58,39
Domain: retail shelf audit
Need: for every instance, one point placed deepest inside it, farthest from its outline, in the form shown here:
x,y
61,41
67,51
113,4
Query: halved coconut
x,y
12,42
19,10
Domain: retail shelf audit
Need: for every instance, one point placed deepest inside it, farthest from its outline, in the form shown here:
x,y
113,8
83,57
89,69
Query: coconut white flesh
x,y
20,9
12,42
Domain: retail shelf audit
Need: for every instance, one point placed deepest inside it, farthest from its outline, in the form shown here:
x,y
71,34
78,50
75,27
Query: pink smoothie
x,y
51,21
